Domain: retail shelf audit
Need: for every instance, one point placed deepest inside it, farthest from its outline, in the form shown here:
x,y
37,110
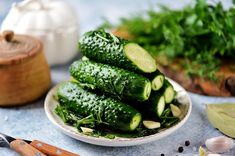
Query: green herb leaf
x,y
203,35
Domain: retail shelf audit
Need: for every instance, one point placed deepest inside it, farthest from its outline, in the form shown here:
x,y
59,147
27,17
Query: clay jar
x,y
24,72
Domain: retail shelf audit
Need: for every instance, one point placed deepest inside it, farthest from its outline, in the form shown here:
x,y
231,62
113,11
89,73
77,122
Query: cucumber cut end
x,y
169,94
147,91
140,57
160,106
157,82
135,121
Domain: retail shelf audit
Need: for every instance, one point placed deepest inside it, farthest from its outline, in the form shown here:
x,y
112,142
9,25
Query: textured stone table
x,y
30,122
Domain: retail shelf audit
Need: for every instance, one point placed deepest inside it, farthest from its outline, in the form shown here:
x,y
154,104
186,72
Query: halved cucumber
x,y
135,121
104,47
147,91
113,113
160,106
140,57
156,103
157,80
168,92
118,82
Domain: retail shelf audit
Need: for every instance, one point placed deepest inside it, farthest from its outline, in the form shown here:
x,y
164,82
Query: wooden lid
x,y
16,48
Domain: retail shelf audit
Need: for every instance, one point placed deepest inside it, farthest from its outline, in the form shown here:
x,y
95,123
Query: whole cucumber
x,y
104,47
115,114
121,83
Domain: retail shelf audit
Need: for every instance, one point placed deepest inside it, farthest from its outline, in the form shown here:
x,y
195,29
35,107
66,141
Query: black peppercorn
x,y
187,143
180,149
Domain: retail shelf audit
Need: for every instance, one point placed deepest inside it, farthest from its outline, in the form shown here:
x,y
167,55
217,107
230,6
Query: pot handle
x,y
8,35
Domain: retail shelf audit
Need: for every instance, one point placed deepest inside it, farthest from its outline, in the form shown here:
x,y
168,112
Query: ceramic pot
x,y
24,72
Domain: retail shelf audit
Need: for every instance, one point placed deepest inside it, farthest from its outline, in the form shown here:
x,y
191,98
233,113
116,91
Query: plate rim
x,y
120,142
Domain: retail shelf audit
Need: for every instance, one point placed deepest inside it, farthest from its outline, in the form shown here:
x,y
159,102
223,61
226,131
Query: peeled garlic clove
x,y
175,110
202,151
219,144
151,124
86,130
84,58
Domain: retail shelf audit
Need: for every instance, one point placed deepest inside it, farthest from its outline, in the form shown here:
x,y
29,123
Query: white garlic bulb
x,y
53,21
219,144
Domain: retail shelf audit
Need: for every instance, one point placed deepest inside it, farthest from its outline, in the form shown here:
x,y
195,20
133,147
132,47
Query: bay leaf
x,y
222,116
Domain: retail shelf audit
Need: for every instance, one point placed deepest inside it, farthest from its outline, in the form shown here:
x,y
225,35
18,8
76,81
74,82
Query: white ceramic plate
x,y
51,103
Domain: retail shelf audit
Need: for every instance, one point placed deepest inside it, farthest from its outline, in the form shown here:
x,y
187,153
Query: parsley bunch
x,y
202,35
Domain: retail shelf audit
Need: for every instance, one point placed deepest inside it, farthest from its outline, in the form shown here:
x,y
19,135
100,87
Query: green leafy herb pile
x,y
116,90
203,35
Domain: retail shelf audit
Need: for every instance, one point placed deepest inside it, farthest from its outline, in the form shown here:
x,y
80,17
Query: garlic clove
x,y
175,110
202,151
151,124
84,58
219,144
86,130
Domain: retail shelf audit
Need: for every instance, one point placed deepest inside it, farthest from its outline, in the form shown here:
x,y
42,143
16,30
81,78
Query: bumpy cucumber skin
x,y
116,114
106,48
121,83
